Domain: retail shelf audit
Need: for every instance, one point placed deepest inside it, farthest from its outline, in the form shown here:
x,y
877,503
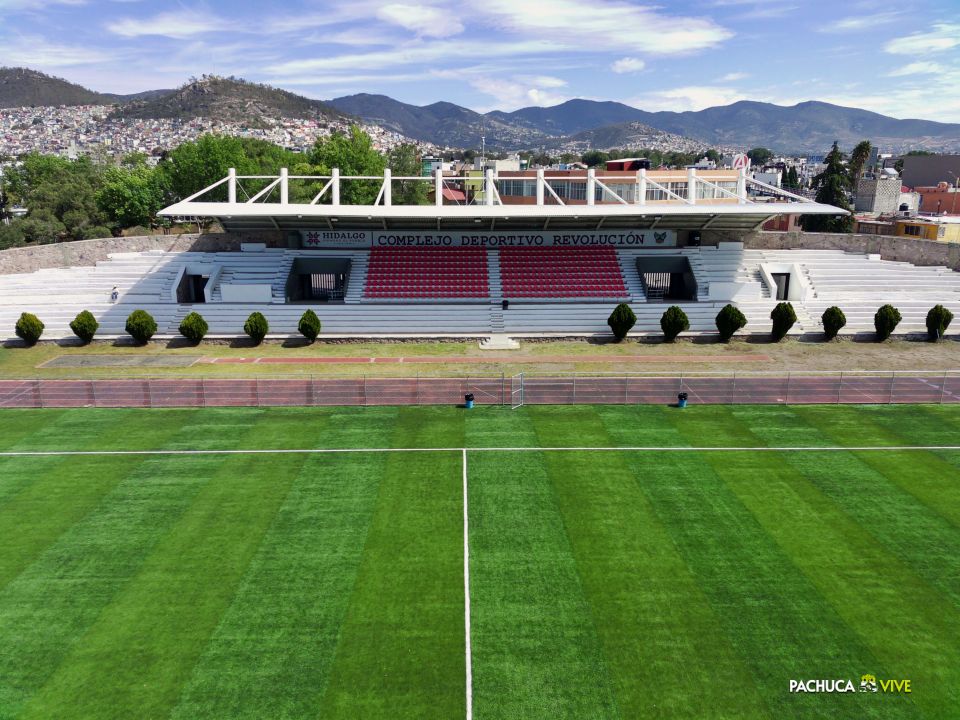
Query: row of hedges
x,y
729,320
141,326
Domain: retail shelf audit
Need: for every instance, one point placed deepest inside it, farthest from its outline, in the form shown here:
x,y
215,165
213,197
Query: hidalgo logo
x,y
868,683
660,237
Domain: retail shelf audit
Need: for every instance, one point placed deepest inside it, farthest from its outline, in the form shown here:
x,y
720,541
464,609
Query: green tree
x,y
132,196
353,154
760,155
195,165
404,161
593,158
791,181
832,186
858,160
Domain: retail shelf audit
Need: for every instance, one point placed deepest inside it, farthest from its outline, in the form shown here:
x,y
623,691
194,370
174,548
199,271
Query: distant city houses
x,y
78,130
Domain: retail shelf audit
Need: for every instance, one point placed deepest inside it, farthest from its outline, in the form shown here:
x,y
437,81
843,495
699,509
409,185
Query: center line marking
x,y
466,589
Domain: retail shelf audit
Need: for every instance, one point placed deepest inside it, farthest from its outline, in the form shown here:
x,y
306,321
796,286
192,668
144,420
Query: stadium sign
x,y
560,238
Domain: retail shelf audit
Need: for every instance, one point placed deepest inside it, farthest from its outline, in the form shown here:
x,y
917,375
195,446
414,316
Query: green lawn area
x,y
616,584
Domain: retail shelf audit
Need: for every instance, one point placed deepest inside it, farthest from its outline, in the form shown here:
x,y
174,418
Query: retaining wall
x,y
889,247
88,252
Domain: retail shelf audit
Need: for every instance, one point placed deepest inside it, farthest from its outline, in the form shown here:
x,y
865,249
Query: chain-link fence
x,y
521,389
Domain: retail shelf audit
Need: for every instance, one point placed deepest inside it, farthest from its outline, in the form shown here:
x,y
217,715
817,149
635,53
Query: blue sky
x,y
901,58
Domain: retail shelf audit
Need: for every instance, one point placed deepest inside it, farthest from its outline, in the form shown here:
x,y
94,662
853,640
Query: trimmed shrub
x,y
784,317
673,322
141,326
729,320
256,327
833,321
621,320
886,321
193,327
309,325
938,320
29,328
85,325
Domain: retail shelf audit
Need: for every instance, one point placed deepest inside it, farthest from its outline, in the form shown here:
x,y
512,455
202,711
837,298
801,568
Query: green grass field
x,y
603,584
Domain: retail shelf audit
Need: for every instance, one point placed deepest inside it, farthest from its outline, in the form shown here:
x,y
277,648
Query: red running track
x,y
848,388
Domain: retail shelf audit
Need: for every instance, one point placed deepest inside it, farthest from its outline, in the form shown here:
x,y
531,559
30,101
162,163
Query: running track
x,y
535,390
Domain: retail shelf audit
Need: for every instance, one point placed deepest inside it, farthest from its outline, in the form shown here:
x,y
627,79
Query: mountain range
x,y
805,127
808,127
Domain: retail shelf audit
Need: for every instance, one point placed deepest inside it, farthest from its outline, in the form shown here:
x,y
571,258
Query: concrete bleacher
x,y
857,283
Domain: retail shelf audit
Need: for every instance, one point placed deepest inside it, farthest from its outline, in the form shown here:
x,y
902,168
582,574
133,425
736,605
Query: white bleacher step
x,y
499,341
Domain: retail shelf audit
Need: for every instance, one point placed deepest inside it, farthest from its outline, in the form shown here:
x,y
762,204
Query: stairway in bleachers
x,y
560,273
427,274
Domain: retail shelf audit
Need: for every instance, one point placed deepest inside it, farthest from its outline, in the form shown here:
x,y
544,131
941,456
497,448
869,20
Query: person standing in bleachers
x,y
114,294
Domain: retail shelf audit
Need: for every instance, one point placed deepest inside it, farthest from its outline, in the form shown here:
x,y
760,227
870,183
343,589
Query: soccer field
x,y
549,562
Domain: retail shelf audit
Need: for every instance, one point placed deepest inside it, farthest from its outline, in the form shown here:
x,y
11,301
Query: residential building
x,y
878,192
940,199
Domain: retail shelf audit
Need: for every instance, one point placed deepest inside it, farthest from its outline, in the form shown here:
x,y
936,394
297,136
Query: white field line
x,y
466,590
628,448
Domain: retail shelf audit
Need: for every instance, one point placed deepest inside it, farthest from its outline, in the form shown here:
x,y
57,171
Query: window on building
x,y
914,230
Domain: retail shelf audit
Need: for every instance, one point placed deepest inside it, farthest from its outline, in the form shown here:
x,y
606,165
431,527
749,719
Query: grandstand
x,y
552,268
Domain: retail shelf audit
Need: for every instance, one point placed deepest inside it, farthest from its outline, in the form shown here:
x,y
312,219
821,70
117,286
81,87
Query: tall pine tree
x,y
832,186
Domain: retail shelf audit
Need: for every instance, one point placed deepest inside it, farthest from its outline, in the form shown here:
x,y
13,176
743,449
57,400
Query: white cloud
x,y
690,97
510,94
36,4
944,36
416,53
628,65
918,68
424,20
733,77
542,81
604,24
37,52
860,22
177,24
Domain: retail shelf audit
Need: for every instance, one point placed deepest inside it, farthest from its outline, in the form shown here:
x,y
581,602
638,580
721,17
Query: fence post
x,y
943,386
203,392
149,393
786,398
840,387
893,380
257,386
734,398
626,387
93,393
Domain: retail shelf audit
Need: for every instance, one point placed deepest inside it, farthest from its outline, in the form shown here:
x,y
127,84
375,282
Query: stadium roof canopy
x,y
262,202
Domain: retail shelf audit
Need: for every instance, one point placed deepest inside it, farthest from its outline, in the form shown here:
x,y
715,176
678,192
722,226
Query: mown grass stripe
x,y
930,477
899,617
271,653
776,621
400,650
877,595
46,610
648,610
536,653
137,655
